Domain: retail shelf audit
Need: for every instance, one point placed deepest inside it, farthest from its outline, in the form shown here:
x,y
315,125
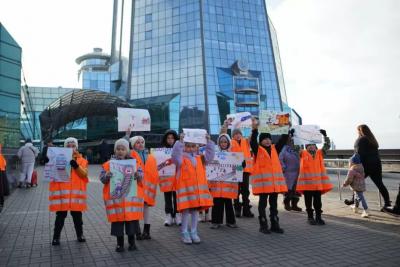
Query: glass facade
x,y
10,89
218,56
94,70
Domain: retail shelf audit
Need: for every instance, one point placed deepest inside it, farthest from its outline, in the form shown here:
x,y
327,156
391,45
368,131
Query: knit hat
x,y
263,136
136,138
121,142
236,131
227,137
71,140
355,159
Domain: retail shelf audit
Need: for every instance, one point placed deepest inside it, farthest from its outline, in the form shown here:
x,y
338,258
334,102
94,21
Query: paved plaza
x,y
26,228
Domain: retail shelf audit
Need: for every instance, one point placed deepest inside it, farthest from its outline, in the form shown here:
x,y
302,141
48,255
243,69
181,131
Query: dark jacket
x,y
164,139
369,155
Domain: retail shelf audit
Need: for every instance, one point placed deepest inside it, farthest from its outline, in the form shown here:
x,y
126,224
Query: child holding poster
x,y
223,192
192,190
126,211
146,164
267,179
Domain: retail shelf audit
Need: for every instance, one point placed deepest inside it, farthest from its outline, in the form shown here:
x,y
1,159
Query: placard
x,y
134,119
226,166
273,122
197,136
122,182
165,166
58,169
239,120
306,134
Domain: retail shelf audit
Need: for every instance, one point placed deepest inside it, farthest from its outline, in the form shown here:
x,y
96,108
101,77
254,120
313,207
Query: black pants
x,y
2,177
376,177
217,213
131,228
59,223
170,203
272,198
244,191
313,198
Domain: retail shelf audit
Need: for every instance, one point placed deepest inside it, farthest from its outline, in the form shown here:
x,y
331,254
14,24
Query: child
x,y
191,185
167,185
70,196
313,180
267,179
356,179
124,212
223,193
146,164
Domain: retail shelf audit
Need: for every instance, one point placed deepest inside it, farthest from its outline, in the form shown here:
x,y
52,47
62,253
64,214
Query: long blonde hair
x,y
363,130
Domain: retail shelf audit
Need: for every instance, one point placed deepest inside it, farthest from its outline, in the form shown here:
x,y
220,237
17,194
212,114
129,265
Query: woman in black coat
x,y
367,147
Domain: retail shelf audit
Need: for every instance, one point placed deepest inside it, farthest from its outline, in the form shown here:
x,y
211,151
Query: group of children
x,y
188,192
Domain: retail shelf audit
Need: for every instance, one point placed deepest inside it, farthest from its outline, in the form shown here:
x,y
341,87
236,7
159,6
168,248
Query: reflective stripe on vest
x,y
121,210
309,175
67,192
150,185
67,201
224,189
191,189
194,197
117,201
266,175
324,181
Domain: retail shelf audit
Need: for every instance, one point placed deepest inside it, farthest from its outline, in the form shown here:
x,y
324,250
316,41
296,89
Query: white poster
x,y
239,120
58,169
134,119
226,166
306,134
122,182
165,166
274,122
197,136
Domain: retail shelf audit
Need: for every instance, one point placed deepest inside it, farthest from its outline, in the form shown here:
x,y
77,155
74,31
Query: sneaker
x,y
232,225
195,237
119,249
364,214
186,238
55,242
215,226
168,220
354,208
81,239
178,219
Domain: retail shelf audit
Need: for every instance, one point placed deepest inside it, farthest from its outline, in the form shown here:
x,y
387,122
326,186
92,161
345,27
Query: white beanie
x,y
136,138
121,142
71,140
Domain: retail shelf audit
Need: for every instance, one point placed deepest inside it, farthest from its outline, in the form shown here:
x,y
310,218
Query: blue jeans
x,y
359,197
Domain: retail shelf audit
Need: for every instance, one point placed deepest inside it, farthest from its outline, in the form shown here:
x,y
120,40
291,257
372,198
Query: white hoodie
x,y
28,153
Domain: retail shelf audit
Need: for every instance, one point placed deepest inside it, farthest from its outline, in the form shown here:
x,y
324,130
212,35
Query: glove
x,y
323,132
291,132
74,164
46,159
244,164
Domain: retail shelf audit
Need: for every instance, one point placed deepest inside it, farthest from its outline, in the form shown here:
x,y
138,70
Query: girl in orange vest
x,y
223,193
70,196
267,179
167,185
313,180
191,184
3,164
147,164
124,212
241,144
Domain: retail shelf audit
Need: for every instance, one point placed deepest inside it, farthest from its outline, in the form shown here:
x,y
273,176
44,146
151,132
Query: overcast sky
x,y
341,58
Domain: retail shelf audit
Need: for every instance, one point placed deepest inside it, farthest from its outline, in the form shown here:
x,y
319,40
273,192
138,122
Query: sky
x,y
341,58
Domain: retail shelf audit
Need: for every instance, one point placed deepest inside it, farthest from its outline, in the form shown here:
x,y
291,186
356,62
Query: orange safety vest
x,y
312,176
150,179
71,195
191,186
267,176
3,163
243,147
219,189
123,209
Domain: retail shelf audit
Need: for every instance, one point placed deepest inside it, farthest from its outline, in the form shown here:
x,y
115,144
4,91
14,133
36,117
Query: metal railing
x,y
341,165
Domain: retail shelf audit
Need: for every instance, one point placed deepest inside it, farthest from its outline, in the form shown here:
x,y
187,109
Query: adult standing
x,y
27,154
367,147
290,162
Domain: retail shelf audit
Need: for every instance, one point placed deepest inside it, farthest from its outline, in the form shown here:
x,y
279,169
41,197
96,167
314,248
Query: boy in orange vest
x,y
267,179
313,180
3,164
123,212
70,196
191,184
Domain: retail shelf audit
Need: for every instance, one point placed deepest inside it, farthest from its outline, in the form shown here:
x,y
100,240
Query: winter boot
x,y
294,205
275,225
318,218
146,232
139,233
263,225
131,241
310,219
238,209
247,212
286,203
120,244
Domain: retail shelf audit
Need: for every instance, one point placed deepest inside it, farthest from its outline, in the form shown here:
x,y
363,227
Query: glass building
x,y
10,89
94,70
219,56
